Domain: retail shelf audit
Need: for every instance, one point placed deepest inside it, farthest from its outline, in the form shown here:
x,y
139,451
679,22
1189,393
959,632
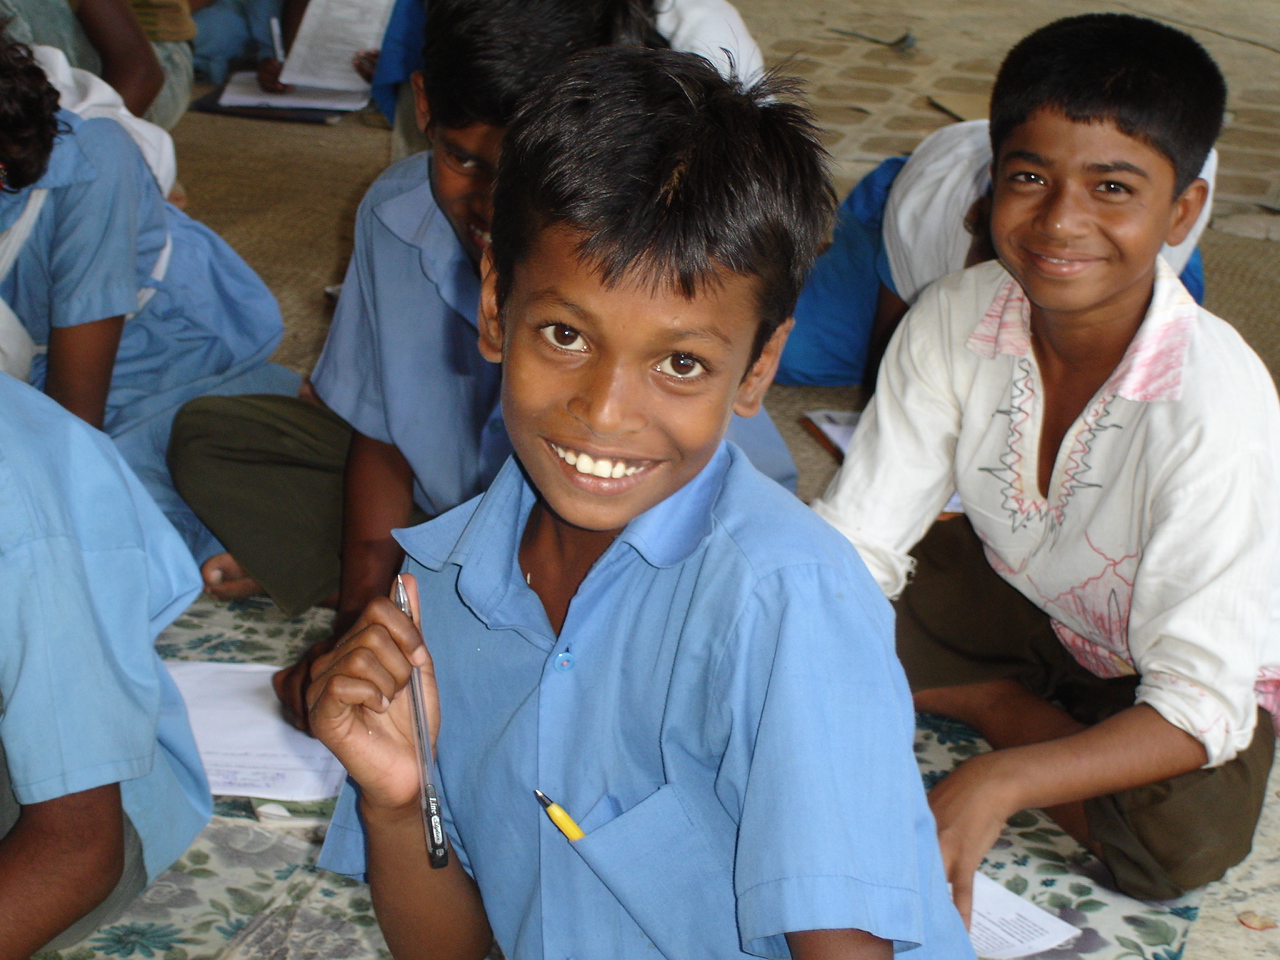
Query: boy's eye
x,y
564,336
1115,188
681,366
463,161
1025,176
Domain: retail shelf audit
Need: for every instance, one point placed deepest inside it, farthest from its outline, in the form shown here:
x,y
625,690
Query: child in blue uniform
x,y
305,497
101,787
633,619
131,307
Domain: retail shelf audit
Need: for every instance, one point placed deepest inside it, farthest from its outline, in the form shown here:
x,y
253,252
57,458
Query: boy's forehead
x,y
574,253
1097,141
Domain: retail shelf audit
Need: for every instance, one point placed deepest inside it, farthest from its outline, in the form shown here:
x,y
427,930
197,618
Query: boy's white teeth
x,y
604,467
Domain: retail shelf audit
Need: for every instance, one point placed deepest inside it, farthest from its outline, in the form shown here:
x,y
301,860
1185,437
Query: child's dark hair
x,y
482,56
28,116
670,172
1155,83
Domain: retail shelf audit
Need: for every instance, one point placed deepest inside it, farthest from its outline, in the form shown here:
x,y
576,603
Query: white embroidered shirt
x,y
1157,549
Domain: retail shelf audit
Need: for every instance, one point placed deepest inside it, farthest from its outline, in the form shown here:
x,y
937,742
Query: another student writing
x,y
1104,613
633,619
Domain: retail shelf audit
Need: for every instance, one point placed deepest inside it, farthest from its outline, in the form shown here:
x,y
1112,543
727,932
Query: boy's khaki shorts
x,y
959,622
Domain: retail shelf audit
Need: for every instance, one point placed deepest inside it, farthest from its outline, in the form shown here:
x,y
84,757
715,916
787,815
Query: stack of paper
x,y
247,748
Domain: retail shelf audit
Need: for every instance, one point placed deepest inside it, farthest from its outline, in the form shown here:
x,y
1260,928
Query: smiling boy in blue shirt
x,y
633,619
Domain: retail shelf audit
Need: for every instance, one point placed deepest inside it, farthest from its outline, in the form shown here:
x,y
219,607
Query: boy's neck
x,y
1090,346
555,558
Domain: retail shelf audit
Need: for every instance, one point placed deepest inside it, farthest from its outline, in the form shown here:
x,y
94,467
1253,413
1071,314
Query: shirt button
x,y
564,662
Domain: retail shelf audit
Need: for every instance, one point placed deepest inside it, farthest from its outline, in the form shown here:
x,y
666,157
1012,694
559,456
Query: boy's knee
x,y
1168,838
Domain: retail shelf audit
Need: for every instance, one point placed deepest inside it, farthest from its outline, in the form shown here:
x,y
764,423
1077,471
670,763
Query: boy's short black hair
x,y
481,56
28,115
1155,83
670,172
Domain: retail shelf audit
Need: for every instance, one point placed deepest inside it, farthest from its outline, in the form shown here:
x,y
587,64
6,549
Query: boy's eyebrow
x,y
551,298
1115,166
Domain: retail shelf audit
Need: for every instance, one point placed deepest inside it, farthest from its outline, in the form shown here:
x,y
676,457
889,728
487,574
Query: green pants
x,y
264,473
959,622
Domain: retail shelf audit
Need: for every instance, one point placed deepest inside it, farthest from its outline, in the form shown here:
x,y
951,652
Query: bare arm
x,y
377,498
128,62
359,708
62,858
81,359
838,945
1135,747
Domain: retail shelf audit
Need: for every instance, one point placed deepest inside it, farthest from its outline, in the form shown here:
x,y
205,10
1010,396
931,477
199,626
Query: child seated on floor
x,y
709,28
305,496
907,223
633,618
1103,614
113,302
101,787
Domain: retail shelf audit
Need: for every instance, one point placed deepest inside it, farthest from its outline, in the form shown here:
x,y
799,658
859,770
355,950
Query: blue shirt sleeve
x,y
349,375
91,572
99,226
820,764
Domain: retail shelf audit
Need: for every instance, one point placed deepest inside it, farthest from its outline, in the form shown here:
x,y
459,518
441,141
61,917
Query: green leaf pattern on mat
x,y
1035,859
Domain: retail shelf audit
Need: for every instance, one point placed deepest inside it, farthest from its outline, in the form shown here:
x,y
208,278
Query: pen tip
x,y
542,798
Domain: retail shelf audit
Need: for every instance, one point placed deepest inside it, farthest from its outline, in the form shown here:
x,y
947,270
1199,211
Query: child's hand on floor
x,y
359,702
971,805
269,76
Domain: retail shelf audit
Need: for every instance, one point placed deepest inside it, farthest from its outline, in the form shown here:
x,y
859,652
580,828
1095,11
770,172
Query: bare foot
x,y
227,580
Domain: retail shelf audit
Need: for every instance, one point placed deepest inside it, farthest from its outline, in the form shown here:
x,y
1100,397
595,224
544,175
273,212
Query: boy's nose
x,y
1061,214
609,402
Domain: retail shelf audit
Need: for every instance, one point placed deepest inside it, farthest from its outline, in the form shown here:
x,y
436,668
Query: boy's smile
x,y
1079,213
615,397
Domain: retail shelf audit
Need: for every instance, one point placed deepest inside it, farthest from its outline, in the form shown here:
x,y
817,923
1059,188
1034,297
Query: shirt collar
x,y
484,540
415,218
1151,368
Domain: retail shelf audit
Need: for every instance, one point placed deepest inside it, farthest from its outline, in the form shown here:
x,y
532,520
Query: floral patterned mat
x,y
248,888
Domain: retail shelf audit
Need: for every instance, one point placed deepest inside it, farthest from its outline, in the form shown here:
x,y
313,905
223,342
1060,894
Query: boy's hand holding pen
x,y
362,707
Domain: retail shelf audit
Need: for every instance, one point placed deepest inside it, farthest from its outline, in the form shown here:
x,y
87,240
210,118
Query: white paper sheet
x,y
837,425
242,90
1004,926
247,748
331,34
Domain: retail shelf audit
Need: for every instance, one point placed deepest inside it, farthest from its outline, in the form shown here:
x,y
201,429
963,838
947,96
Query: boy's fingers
x,y
962,894
335,695
419,655
371,656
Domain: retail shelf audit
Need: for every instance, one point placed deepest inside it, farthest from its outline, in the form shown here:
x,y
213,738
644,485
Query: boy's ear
x,y
1186,209
753,386
422,109
488,319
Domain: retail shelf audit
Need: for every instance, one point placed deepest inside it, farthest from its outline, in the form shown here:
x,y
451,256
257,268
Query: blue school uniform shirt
x,y
722,713
95,245
401,362
90,572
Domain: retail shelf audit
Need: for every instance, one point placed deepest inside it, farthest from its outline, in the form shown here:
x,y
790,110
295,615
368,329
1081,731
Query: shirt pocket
x,y
667,874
